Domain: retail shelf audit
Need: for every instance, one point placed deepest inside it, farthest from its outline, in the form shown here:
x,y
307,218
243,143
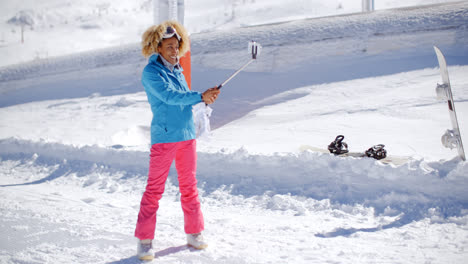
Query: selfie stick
x,y
254,48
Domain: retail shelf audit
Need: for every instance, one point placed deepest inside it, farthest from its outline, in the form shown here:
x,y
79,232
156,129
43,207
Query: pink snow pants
x,y
161,158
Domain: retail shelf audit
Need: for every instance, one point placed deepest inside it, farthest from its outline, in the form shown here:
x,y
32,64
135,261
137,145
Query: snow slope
x,y
74,153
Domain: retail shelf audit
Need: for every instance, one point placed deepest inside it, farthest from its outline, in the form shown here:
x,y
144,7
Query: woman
x,y
172,133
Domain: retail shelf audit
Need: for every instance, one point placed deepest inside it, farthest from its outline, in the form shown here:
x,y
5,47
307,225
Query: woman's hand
x,y
210,95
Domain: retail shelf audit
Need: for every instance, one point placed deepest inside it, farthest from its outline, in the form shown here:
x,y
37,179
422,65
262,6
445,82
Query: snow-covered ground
x,y
74,144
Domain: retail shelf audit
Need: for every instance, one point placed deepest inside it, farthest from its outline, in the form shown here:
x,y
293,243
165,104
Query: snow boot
x,y
145,250
196,241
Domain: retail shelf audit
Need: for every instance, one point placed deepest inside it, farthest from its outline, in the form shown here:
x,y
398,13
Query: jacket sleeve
x,y
165,91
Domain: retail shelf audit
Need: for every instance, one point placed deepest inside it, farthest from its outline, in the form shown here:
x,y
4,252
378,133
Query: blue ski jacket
x,y
171,102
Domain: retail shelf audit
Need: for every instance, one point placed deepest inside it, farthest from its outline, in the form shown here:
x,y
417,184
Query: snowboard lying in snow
x,y
340,148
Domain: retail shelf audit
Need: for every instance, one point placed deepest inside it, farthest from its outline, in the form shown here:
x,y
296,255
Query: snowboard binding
x,y
450,139
337,146
377,152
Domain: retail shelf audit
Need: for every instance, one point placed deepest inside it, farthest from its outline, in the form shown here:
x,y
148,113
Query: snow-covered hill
x,y
74,145
58,27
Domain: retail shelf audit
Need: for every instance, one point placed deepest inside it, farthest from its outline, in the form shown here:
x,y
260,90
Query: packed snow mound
x,y
50,203
412,188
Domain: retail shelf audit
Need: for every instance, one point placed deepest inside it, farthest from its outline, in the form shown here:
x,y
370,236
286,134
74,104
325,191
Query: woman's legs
x,y
161,158
186,165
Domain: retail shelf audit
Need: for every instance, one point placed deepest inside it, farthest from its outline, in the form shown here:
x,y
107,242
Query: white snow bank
x,y
291,45
412,188
82,25
88,216
316,39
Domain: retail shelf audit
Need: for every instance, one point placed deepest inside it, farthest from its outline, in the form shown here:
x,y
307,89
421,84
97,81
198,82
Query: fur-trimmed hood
x,y
154,35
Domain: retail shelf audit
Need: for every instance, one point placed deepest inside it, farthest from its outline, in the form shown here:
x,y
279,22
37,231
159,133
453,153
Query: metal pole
x,y
368,5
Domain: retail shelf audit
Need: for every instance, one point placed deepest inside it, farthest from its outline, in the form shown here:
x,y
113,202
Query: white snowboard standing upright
x,y
452,137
